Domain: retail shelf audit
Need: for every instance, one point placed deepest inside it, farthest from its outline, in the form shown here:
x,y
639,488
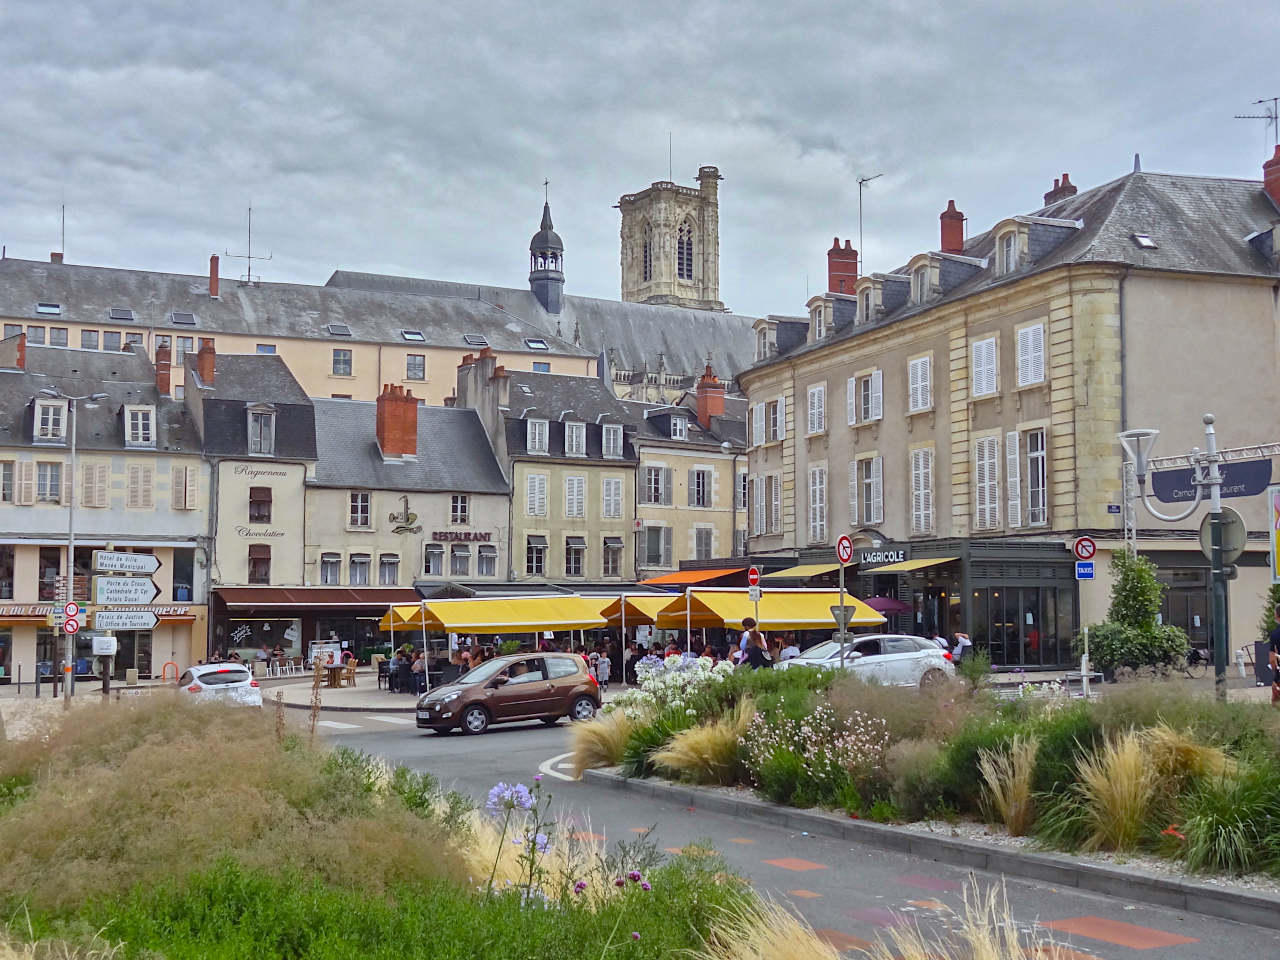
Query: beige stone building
x,y
958,415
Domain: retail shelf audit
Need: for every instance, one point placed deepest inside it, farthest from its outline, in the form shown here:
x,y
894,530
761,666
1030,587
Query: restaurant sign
x,y
878,556
470,536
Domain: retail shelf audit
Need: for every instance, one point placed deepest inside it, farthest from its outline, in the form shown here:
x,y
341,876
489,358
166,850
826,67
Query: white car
x,y
894,660
221,682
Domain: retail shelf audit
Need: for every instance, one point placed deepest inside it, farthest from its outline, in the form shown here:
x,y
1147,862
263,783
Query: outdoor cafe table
x,y
333,675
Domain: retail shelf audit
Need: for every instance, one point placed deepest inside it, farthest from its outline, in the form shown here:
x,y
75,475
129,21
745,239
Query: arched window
x,y
646,254
684,251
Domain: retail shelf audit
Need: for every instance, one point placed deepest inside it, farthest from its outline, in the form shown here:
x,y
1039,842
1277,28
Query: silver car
x,y
221,682
894,660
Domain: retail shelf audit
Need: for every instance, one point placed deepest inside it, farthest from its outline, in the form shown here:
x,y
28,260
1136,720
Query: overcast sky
x,y
413,138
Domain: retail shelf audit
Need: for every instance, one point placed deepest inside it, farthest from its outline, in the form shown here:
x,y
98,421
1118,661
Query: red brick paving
x,y
796,864
1121,934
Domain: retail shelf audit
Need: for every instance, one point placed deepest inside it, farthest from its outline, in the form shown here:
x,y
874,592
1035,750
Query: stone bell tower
x,y
671,243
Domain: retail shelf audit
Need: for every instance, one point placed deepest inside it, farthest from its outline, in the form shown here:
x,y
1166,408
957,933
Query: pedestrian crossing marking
x,y
337,725
402,721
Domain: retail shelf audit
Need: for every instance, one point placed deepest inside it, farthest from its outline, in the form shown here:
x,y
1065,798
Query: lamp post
x,y
1206,476
727,447
90,399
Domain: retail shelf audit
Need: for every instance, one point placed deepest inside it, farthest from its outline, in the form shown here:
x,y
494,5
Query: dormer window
x,y
864,306
49,309
819,318
139,425
536,436
51,421
262,432
762,343
920,284
575,439
679,428
613,441
1007,252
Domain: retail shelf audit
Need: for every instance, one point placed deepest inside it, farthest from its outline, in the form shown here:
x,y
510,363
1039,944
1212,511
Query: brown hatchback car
x,y
545,686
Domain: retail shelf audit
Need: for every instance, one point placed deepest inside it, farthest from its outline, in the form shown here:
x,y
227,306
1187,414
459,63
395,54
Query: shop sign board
x,y
1240,478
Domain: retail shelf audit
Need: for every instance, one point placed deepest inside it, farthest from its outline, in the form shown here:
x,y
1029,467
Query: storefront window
x,y
6,571
184,563
1031,622
50,570
980,623
46,650
6,654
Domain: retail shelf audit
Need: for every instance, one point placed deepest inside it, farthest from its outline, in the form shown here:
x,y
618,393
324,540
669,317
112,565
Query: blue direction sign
x,y
1084,569
1240,478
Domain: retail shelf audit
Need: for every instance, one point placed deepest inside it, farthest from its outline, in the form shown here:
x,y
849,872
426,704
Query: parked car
x,y
543,687
891,659
221,682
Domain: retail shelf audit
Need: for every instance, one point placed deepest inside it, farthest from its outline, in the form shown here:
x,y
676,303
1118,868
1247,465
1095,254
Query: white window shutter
x,y
134,488
877,490
568,497
178,488
1035,352
68,484
757,425
851,400
853,493
26,483
913,385
666,546
147,500
666,487
927,490
917,503
925,384
88,485
782,418
1012,479
193,486
877,394
775,504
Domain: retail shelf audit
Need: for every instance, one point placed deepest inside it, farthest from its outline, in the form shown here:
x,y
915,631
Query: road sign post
x,y
844,553
109,561
753,581
128,591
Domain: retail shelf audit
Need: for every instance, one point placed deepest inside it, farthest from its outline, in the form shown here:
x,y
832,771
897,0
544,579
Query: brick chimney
x,y
842,267
1061,190
55,257
206,361
952,229
710,397
1271,178
397,421
164,366
13,352
213,276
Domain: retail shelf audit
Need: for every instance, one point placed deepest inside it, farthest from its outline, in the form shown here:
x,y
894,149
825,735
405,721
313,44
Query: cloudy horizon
x,y
414,139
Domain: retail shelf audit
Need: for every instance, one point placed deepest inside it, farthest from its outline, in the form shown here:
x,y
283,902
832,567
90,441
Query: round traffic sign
x,y
844,549
1084,548
753,577
71,608
72,625
1235,536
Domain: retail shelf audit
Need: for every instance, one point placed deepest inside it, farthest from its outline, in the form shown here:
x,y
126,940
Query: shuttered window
x,y
757,425
817,504
818,408
854,519
986,476
95,480
138,492
872,474
536,495
1037,479
919,385
851,400
611,489
775,504
759,508
984,367
1031,355
922,490
1013,480
26,483
699,488
574,496
184,486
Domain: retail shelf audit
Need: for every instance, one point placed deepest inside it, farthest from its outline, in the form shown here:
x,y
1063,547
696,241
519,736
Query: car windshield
x,y
217,678
484,671
824,650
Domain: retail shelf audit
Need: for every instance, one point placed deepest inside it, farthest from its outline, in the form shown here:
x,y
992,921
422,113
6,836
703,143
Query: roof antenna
x,y
1137,163
861,182
1270,113
247,278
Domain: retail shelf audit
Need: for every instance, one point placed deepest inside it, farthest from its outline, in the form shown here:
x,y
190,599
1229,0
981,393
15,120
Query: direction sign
x,y
124,590
72,625
753,577
753,594
124,620
1234,536
1084,569
71,608
841,616
1084,548
844,549
109,561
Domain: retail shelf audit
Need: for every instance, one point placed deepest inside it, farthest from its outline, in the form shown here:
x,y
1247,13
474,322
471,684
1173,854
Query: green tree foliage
x,y
1267,622
1136,594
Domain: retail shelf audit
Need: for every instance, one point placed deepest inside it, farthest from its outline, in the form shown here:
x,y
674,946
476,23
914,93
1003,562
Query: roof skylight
x,y
1144,241
475,340
339,330
536,343
123,314
413,336
186,319
49,308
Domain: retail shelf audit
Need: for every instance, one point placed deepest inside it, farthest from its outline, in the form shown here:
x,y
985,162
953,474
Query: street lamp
x,y
1205,476
90,399
727,447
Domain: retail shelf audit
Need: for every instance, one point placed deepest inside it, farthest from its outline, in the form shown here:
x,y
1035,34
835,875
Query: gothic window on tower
x,y
684,251
647,253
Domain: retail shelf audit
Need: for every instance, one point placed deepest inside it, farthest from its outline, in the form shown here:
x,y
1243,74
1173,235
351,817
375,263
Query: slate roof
x,y
126,377
88,294
637,331
252,378
454,453
1198,224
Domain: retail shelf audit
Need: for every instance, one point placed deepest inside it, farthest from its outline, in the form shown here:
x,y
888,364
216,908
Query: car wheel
x,y
584,708
932,677
475,720
550,721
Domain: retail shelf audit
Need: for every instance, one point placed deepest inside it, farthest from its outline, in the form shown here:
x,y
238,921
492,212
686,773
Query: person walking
x,y
1273,656
757,655
961,649
603,666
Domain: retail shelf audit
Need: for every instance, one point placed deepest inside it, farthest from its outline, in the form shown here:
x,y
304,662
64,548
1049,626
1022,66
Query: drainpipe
x,y
1124,366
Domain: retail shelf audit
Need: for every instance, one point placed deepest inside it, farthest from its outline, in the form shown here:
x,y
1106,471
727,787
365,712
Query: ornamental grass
x,y
709,753
1117,784
599,742
1007,779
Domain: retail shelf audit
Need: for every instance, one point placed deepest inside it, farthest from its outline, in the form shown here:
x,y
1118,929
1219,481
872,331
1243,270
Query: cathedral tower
x,y
546,265
671,243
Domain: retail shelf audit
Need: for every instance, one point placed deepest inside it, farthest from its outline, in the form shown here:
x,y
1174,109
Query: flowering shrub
x,y
816,759
670,684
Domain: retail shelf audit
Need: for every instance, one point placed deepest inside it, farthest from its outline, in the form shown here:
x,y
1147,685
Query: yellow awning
x,y
802,572
779,610
641,610
497,615
908,565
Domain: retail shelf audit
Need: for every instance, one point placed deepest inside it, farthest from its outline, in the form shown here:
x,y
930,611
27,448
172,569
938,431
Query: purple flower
x,y
537,778
634,876
580,886
506,796
646,886
620,882
542,842
635,935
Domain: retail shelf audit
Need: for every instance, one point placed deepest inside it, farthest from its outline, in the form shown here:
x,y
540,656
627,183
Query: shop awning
x,y
245,598
684,578
802,572
906,566
497,615
641,611
779,610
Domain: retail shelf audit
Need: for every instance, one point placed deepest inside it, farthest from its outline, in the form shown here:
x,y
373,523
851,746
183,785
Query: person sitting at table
x,y
262,654
419,670
405,682
278,652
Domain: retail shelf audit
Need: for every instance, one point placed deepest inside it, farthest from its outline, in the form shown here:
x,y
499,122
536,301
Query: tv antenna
x,y
247,277
863,181
1270,113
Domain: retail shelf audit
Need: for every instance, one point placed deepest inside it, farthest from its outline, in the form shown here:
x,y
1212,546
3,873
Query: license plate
x,y
423,715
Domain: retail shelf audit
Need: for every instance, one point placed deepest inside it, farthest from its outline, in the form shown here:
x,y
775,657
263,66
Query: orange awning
x,y
684,578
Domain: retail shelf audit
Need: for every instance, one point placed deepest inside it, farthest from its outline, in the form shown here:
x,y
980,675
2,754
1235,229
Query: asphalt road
x,y
851,892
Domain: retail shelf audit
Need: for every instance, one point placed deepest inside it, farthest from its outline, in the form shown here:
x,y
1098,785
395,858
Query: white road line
x,y
337,725
545,767
401,721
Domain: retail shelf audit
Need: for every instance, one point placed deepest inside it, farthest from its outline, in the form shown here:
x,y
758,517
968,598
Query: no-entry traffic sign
x,y
1084,548
72,625
844,549
753,577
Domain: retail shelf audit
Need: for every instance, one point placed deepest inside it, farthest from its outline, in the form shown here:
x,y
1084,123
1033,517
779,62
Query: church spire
x,y
546,263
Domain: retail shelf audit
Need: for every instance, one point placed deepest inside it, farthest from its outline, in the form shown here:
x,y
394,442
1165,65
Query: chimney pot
x,y
397,422
709,398
842,267
952,229
55,257
206,362
213,276
1061,190
164,368
1271,177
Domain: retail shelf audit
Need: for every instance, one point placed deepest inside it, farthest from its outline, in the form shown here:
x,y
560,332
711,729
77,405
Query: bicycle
x,y
1195,663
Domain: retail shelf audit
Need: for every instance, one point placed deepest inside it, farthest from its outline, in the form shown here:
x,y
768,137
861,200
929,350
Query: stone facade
x,y
671,243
